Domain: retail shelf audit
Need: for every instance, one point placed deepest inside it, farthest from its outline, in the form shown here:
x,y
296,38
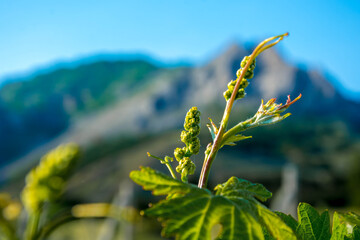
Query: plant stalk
x,y
237,128
171,170
32,226
205,171
167,163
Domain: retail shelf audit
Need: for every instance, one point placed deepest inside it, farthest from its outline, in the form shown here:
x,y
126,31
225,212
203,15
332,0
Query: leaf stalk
x,y
166,163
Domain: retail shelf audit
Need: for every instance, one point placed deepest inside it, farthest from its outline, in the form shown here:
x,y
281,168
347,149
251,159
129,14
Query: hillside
x,y
118,110
38,109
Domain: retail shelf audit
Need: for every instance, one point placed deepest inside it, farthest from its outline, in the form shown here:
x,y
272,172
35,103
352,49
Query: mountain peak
x,y
102,89
231,53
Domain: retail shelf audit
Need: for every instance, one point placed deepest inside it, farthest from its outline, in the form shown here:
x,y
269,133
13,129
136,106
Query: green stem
x,y
205,171
171,170
167,163
242,126
32,226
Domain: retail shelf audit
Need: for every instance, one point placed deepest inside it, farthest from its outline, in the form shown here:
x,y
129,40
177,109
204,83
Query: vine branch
x,y
205,171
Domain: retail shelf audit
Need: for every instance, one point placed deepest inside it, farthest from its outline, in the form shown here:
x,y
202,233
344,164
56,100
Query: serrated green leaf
x,y
192,216
346,226
324,222
274,224
231,141
350,217
312,225
236,187
339,230
288,220
159,183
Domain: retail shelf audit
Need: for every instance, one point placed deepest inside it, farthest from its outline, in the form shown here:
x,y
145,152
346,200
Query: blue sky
x,y
324,34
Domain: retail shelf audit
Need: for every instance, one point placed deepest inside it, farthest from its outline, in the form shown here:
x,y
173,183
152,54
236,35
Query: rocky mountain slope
x,y
97,100
105,104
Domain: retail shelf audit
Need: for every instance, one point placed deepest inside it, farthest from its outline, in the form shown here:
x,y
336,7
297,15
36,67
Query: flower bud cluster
x,y
46,182
186,167
244,81
192,142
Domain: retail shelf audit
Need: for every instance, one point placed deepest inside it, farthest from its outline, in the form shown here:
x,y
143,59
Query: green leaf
x,y
346,226
159,183
312,225
195,212
274,224
350,217
339,230
236,187
288,220
356,233
231,141
193,216
267,235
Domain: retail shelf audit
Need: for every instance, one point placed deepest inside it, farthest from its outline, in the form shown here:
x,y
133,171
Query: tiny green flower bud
x,y
179,153
193,112
195,120
231,85
185,137
240,94
194,147
194,131
227,94
244,83
244,62
191,123
249,74
186,167
169,159
187,126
